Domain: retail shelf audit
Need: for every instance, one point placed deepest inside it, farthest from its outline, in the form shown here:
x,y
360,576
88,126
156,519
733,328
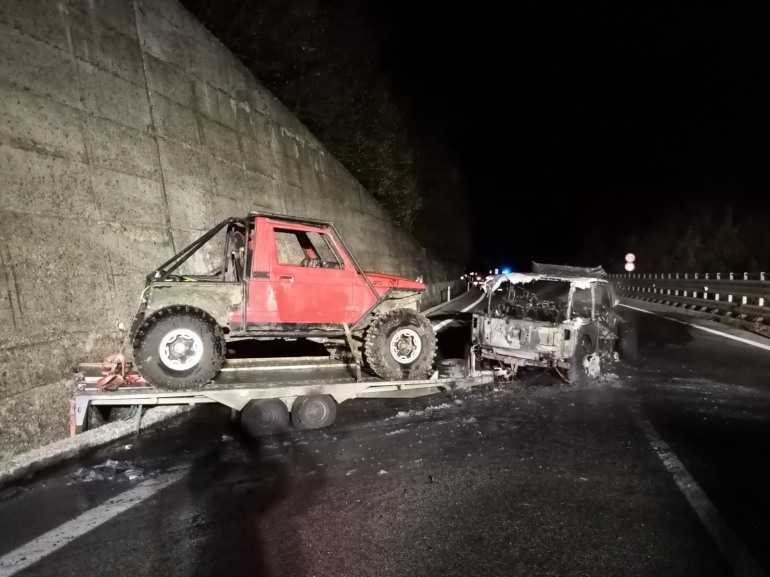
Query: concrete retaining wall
x,y
126,130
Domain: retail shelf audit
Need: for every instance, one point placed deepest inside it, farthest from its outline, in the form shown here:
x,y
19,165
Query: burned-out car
x,y
559,317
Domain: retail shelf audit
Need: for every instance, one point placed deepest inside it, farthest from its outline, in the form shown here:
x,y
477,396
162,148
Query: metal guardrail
x,y
745,296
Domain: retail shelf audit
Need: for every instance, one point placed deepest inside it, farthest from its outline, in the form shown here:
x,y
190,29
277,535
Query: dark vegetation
x,y
697,237
325,62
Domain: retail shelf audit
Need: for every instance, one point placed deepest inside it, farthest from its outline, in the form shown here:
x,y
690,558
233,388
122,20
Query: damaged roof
x,y
578,282
568,271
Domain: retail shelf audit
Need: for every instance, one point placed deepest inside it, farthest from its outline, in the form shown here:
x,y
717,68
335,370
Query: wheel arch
x,y
591,332
150,317
218,300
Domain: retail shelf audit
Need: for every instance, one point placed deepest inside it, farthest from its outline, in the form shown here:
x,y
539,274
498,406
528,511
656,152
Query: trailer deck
x,y
243,382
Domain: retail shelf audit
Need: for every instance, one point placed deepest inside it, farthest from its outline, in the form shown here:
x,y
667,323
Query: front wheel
x,y
178,348
401,344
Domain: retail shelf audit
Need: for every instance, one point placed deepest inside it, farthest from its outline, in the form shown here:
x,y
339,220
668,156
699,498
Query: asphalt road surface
x,y
660,468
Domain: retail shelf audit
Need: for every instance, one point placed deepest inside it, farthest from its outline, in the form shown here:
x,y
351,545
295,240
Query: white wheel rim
x,y
181,349
405,346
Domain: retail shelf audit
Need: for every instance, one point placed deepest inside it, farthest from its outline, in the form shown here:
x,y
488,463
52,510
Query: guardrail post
x,y
716,297
695,276
668,292
706,276
719,276
762,276
745,277
743,300
761,301
669,276
732,276
676,292
729,298
685,275
685,293
677,276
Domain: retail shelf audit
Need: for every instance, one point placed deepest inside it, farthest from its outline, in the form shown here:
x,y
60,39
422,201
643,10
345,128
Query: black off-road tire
x,y
577,371
378,340
264,417
627,343
147,341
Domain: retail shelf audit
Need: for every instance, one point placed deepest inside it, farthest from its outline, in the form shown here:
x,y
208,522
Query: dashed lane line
x,y
35,550
743,564
700,328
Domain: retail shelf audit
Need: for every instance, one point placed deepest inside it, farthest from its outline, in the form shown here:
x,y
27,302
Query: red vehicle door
x,y
311,280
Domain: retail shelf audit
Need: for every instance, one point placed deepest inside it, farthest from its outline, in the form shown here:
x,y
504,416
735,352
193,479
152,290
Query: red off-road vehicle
x,y
275,277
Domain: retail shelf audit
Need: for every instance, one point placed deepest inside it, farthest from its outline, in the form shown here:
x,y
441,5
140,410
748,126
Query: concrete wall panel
x,y
37,123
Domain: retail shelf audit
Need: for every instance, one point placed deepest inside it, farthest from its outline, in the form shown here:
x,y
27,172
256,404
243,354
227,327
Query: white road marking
x,y
32,552
700,328
440,325
735,552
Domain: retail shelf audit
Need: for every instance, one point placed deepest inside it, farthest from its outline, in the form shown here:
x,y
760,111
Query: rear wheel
x,y
401,344
313,412
178,348
264,417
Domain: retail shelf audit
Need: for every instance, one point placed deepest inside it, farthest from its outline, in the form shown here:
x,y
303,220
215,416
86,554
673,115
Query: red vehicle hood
x,y
390,281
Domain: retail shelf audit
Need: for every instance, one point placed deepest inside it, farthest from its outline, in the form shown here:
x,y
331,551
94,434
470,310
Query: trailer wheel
x,y
178,348
313,412
264,417
401,344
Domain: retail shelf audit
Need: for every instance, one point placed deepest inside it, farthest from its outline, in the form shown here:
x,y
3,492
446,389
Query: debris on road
x,y
108,471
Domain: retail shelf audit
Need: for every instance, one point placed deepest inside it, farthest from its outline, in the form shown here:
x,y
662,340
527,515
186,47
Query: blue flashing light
x,y
506,270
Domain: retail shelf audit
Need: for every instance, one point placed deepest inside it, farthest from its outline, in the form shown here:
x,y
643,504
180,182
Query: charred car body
x,y
555,317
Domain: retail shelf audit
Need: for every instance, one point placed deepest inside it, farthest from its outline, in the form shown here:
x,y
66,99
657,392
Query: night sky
x,y
571,117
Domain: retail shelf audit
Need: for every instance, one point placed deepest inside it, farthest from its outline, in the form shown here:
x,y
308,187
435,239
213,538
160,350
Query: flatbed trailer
x,y
268,394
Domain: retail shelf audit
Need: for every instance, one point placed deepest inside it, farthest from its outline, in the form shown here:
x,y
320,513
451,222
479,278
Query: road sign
x,y
630,266
630,257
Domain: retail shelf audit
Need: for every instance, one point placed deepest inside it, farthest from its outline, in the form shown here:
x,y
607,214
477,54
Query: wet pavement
x,y
532,478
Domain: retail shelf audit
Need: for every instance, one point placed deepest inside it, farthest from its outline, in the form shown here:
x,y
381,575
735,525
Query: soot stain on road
x,y
236,484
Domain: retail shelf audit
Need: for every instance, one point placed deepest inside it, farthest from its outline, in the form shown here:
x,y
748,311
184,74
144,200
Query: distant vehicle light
x,y
506,271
